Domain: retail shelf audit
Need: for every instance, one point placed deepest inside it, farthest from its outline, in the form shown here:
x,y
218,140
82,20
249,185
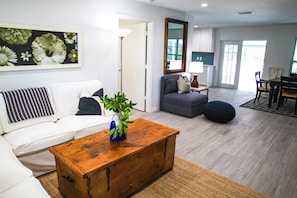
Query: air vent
x,y
246,12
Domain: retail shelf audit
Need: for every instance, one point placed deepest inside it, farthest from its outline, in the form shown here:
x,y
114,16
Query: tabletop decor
x,y
30,48
121,106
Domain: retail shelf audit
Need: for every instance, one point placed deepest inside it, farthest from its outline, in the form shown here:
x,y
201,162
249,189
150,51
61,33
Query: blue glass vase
x,y
118,138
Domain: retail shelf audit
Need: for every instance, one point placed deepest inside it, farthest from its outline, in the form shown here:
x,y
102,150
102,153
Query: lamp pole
x,y
121,66
121,34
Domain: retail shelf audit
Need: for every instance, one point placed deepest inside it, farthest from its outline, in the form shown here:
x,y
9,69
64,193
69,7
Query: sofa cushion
x,y
185,100
66,95
85,125
8,127
183,84
4,144
37,137
12,171
1,130
170,86
29,188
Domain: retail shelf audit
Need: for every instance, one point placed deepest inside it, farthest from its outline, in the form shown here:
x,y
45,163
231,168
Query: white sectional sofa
x,y
24,144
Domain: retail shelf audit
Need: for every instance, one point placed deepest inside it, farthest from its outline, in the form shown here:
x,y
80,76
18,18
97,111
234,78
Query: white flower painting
x,y
37,48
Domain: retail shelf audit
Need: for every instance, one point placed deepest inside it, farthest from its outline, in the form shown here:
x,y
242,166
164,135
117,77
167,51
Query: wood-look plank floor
x,y
257,149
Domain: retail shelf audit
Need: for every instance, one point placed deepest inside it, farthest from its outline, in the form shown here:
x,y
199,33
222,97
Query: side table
x,y
199,89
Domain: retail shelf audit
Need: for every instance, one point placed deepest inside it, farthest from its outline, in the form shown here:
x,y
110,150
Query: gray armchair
x,y
186,104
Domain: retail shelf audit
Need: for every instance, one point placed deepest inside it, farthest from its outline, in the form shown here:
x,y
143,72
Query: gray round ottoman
x,y
219,111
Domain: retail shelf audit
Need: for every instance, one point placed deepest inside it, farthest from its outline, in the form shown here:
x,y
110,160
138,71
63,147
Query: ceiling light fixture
x,y
204,5
246,12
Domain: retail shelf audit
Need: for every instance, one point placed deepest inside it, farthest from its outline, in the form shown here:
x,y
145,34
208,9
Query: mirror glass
x,y
175,46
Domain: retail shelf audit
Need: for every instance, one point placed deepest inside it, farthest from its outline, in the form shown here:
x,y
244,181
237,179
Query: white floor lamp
x,y
121,33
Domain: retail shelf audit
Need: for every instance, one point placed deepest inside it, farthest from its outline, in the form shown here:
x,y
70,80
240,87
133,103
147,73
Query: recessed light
x,y
204,5
195,26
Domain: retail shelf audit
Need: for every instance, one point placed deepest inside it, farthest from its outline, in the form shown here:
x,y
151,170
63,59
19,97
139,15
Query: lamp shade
x,y
196,67
122,32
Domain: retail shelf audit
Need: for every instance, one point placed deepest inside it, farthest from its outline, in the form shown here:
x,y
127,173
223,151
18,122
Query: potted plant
x,y
121,107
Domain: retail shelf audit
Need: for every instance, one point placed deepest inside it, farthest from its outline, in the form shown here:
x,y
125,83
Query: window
x,y
175,49
293,69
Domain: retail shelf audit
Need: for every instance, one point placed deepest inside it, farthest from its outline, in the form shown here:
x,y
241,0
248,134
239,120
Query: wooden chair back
x,y
262,85
274,72
288,90
289,85
260,82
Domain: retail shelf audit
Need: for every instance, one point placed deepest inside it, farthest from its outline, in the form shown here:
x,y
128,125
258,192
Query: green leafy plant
x,y
122,107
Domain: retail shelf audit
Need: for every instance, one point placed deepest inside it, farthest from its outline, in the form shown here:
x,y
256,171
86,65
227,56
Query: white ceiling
x,y
222,13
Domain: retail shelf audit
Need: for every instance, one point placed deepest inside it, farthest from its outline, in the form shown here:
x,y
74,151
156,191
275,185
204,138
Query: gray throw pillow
x,y
183,84
170,86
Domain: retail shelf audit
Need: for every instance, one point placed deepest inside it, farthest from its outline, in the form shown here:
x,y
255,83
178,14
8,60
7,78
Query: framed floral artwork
x,y
32,48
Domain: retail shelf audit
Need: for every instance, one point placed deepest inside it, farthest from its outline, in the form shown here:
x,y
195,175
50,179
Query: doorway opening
x,y
252,60
134,74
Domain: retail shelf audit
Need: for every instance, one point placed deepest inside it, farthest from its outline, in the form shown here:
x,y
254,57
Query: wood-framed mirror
x,y
175,46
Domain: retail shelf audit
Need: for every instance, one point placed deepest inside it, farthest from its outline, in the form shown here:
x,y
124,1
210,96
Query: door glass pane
x,y
252,59
229,64
294,60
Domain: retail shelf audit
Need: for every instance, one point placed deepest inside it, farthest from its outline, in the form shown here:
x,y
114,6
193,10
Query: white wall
x,y
280,43
95,19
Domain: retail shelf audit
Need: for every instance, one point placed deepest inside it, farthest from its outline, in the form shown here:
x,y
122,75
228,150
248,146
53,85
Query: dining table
x,y
274,90
275,85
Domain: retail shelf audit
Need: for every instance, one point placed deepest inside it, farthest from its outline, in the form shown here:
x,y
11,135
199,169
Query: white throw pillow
x,y
183,84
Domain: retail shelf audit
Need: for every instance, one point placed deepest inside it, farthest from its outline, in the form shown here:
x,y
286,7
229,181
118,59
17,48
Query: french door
x,y
230,64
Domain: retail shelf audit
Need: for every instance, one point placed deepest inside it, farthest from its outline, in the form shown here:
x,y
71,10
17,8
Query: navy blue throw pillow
x,y
99,93
90,105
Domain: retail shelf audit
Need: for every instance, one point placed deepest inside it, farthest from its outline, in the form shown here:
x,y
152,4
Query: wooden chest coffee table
x,y
94,166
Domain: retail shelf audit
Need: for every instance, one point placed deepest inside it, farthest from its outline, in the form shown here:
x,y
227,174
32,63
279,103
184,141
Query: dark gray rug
x,y
286,109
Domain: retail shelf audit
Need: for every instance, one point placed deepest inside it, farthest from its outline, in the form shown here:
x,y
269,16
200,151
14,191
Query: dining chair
x,y
262,85
274,72
288,90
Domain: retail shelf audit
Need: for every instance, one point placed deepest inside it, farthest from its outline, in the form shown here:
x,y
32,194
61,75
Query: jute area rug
x,y
184,180
286,109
